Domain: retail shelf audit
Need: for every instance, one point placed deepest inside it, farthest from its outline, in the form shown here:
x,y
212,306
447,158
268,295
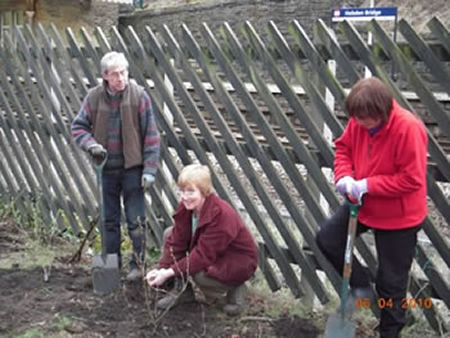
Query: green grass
x,y
56,329
282,303
36,236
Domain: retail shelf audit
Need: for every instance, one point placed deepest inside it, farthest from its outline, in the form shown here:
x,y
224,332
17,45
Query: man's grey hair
x,y
113,59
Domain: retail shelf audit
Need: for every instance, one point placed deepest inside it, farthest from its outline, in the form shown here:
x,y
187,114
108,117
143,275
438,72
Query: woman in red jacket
x,y
381,158
209,242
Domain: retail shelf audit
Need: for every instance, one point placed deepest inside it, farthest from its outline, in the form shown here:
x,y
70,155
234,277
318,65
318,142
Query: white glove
x,y
147,181
344,185
358,189
96,150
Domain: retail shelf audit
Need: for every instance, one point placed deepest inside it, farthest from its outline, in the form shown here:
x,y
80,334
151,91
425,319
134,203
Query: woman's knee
x,y
333,231
326,239
205,281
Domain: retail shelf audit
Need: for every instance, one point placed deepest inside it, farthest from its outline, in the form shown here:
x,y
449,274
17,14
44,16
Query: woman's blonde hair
x,y
196,175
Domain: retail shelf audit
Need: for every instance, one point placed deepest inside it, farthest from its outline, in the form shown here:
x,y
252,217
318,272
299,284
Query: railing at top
x,y
263,140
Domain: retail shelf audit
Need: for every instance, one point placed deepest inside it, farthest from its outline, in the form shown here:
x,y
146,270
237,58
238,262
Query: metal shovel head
x,y
339,327
105,274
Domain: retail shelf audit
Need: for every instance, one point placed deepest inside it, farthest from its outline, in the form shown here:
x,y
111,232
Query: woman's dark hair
x,y
369,98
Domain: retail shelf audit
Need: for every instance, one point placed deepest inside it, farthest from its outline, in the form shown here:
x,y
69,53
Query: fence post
x,y
167,112
318,119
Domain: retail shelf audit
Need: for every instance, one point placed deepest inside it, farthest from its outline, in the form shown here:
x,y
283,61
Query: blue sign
x,y
364,14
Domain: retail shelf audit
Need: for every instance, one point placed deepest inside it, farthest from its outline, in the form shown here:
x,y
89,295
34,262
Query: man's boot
x,y
177,295
137,258
235,300
134,275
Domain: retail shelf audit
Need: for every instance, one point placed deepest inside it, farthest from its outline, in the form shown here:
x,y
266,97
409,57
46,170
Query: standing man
x,y
117,119
381,159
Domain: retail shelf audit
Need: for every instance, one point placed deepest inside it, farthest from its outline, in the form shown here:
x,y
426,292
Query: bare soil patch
x,y
65,306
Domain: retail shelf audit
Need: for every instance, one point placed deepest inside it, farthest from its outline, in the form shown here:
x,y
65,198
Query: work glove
x,y
147,180
344,185
358,189
96,150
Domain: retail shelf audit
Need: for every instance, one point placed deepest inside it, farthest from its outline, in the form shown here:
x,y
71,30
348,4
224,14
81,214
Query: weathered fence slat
x,y
104,45
328,38
306,45
301,75
61,152
439,30
79,56
90,50
433,274
419,292
436,110
69,62
11,176
53,135
287,91
439,200
277,112
424,51
272,280
21,155
61,83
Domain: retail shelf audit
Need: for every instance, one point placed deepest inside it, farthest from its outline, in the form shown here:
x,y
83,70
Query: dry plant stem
x,y
77,255
260,331
423,287
203,334
47,271
125,296
255,319
154,314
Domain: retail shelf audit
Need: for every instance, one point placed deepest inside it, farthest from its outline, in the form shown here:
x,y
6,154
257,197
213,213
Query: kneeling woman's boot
x,y
179,294
235,300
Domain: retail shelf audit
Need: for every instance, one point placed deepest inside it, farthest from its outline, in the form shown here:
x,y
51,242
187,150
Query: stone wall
x,y
77,14
235,12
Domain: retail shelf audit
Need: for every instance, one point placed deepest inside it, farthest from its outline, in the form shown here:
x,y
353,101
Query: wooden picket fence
x,y
255,108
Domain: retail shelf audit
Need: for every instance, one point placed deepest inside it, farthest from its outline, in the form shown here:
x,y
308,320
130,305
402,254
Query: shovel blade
x,y
339,327
105,274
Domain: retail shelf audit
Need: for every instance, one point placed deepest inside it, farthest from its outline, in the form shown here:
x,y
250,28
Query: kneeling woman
x,y
209,242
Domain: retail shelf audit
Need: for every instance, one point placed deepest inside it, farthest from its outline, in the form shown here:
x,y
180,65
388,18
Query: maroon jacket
x,y
222,245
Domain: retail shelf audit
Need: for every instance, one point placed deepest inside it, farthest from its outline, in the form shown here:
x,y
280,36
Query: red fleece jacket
x,y
394,161
222,245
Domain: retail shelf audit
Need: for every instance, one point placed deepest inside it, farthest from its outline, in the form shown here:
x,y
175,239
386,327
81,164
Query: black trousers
x,y
395,251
